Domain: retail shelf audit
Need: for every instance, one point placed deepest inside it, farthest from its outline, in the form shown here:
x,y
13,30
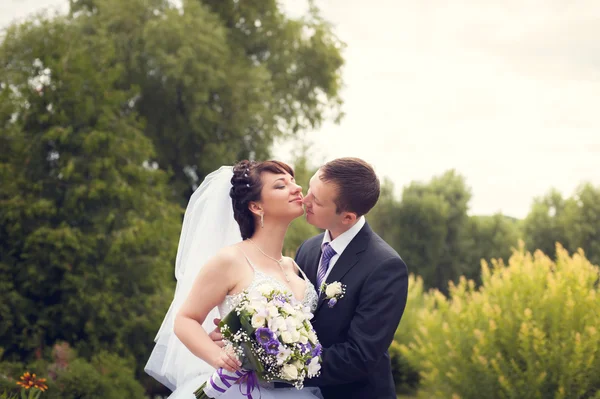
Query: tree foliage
x,y
109,117
88,233
217,81
572,221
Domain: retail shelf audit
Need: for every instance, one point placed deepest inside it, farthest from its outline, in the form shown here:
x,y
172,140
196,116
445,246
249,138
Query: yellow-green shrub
x,y
530,331
406,376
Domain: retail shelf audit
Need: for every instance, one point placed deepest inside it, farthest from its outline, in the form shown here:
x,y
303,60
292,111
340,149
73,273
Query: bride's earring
x,y
262,220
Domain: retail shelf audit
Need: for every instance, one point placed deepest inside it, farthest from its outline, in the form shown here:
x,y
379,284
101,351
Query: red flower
x,y
31,381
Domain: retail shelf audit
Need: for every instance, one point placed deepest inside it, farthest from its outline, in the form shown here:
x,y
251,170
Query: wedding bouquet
x,y
271,333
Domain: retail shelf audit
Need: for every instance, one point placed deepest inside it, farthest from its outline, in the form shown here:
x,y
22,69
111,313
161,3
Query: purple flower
x,y
264,335
279,300
267,339
317,350
332,302
306,348
272,347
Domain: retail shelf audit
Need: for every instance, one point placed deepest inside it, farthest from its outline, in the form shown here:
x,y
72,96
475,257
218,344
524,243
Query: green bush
x,y
406,376
8,383
10,373
105,376
530,331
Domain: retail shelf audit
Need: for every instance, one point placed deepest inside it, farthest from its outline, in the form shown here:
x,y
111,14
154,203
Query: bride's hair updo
x,y
247,186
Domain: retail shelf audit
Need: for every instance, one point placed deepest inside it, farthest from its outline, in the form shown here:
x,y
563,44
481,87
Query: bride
x,y
231,241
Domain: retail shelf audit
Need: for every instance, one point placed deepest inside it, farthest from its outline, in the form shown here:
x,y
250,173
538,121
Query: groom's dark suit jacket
x,y
357,332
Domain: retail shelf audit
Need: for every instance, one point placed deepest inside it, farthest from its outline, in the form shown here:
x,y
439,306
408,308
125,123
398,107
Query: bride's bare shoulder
x,y
227,257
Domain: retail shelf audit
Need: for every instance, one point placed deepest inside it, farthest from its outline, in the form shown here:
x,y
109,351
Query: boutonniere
x,y
334,292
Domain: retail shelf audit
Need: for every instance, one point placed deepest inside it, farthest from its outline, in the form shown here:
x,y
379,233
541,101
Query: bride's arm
x,y
208,290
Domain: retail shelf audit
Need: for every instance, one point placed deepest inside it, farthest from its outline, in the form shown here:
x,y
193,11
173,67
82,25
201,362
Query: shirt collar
x,y
344,239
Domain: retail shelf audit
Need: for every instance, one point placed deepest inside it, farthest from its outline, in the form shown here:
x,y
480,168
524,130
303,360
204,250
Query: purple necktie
x,y
328,253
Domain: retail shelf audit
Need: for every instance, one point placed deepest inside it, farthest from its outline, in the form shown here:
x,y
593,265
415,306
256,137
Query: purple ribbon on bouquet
x,y
249,377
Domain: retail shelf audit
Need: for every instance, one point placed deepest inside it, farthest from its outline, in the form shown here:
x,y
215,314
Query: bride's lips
x,y
298,199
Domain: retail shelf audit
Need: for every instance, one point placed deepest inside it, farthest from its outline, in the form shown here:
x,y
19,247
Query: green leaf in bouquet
x,y
251,361
233,323
246,321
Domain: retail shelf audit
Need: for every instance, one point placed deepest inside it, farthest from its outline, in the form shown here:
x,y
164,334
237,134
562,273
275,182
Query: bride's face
x,y
281,197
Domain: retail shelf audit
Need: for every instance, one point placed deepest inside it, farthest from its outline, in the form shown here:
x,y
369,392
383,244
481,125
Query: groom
x,y
357,331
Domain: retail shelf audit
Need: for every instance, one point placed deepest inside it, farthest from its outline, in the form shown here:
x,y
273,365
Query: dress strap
x,y
247,259
301,271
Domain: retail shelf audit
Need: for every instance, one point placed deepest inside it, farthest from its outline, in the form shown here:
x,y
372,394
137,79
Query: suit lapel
x,y
347,260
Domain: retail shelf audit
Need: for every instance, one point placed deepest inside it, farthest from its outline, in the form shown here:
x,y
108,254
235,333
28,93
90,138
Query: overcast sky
x,y
507,92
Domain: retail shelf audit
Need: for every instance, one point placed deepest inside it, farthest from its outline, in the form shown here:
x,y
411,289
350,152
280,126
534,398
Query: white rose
x,y
257,308
299,320
272,309
312,336
290,323
256,296
279,324
283,354
289,372
289,309
313,367
333,289
295,336
287,337
299,366
258,321
303,339
265,289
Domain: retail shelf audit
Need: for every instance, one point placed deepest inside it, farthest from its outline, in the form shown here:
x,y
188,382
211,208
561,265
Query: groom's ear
x,y
349,217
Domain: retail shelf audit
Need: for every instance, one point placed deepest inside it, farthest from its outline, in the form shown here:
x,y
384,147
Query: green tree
x,y
432,218
217,81
300,230
544,225
571,221
87,234
582,221
490,237
383,217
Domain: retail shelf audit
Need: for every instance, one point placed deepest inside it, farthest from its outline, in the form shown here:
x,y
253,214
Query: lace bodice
x,y
310,294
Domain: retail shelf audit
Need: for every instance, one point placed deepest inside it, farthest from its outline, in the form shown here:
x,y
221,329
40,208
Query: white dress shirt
x,y
340,243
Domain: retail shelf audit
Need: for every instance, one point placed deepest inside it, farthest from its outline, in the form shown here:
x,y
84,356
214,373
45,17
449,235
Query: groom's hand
x,y
216,335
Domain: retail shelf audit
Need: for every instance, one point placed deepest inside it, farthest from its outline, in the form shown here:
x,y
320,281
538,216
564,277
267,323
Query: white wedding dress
x,y
186,391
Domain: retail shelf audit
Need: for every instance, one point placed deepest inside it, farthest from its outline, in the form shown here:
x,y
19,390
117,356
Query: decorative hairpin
x,y
247,185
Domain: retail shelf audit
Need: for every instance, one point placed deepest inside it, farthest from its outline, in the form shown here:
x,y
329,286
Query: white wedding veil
x,y
208,225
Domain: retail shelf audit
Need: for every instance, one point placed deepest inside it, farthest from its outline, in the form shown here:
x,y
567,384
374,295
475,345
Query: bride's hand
x,y
226,359
216,335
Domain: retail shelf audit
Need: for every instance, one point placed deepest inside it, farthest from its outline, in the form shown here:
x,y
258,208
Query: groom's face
x,y
321,210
